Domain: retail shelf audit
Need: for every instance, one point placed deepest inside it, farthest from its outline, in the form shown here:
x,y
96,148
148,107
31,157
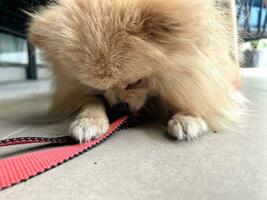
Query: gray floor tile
x,y
143,163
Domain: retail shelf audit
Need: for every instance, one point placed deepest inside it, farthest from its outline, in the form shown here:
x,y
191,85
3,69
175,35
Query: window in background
x,y
14,59
252,18
13,49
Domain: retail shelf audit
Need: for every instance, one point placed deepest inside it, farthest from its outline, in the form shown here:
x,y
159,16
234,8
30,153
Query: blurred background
x,y
21,65
143,163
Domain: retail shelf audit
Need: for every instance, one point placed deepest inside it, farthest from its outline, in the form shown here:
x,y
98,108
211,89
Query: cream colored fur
x,y
182,52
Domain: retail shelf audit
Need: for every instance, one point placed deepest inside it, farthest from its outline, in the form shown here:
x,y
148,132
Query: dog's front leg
x,y
91,122
186,127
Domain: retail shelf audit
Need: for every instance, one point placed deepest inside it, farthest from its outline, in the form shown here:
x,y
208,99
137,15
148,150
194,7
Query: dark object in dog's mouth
x,y
118,111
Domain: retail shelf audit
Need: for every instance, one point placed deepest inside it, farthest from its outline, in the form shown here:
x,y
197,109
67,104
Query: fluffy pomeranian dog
x,y
183,53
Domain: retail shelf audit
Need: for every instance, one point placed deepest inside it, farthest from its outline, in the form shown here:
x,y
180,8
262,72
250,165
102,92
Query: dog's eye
x,y
134,85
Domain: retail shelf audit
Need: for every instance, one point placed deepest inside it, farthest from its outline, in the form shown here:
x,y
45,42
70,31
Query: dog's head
x,y
118,47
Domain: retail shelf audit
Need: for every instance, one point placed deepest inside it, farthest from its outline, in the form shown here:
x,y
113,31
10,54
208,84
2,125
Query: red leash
x,y
14,170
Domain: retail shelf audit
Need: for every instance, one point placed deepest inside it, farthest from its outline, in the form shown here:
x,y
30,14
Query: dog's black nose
x,y
121,107
117,111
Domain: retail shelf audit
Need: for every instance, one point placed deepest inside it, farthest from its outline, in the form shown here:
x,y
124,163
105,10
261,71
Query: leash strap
x,y
14,170
32,140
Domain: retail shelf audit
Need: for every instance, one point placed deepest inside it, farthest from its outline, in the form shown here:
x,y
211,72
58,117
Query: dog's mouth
x,y
117,111
121,108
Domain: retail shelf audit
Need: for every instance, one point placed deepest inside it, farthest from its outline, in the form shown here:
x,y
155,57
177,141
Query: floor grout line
x,y
14,132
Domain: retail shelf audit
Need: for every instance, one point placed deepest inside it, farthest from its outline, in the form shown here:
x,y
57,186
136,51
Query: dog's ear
x,y
159,21
38,29
42,24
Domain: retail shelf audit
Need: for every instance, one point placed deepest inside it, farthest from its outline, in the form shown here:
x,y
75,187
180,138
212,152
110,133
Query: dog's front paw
x,y
186,127
84,129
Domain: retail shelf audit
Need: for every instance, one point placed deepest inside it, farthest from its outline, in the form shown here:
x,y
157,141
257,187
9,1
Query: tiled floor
x,y
23,89
142,163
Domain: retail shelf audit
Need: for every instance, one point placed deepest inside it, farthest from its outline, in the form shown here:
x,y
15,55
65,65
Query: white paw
x,y
85,129
185,127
